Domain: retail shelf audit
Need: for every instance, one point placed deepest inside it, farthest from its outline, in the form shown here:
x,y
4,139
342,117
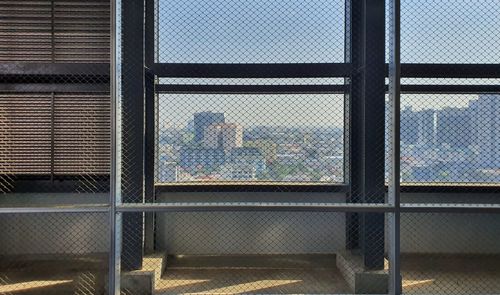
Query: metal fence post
x,y
394,181
114,223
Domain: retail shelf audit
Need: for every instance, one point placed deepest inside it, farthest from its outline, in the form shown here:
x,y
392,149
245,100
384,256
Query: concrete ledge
x,y
146,280
137,282
362,281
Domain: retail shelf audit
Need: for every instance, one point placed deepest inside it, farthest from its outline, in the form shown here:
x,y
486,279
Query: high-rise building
x,y
418,127
454,127
409,134
426,127
225,136
485,114
203,120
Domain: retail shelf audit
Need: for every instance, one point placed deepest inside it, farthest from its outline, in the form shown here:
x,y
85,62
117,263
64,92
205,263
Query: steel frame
x,y
260,206
394,218
115,208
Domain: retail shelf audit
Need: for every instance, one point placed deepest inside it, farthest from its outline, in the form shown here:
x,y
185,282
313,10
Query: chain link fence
x,y
252,144
54,253
55,104
54,146
458,256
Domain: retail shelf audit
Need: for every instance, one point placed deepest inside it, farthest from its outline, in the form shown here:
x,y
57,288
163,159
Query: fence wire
x,y
246,103
459,256
54,100
255,253
53,253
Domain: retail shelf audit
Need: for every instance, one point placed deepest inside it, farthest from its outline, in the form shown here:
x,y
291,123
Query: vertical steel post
x,y
149,141
365,232
394,182
132,131
114,196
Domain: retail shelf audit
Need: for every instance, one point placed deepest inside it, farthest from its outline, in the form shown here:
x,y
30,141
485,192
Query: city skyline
x,y
316,115
435,146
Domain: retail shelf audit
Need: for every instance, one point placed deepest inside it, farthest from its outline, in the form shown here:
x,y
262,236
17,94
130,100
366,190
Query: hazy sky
x,y
265,31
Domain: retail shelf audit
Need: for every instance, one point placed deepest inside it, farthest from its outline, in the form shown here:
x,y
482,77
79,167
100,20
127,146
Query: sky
x,y
297,31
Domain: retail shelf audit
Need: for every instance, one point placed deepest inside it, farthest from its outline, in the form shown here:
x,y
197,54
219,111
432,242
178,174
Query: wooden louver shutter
x,y
63,31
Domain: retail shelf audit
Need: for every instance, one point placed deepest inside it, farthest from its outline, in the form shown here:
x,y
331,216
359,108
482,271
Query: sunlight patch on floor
x,y
25,286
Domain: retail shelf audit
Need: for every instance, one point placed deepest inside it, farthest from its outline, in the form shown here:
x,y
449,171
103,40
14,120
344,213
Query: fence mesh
x,y
238,137
459,256
54,96
54,253
450,138
253,106
255,253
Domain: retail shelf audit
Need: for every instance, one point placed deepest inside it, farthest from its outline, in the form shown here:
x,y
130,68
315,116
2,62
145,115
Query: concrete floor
x,y
252,274
267,274
450,274
27,275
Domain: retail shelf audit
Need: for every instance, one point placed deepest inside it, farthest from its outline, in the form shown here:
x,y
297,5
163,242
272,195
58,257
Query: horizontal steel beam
x,y
255,187
54,87
253,206
305,70
261,206
317,89
450,70
450,188
249,89
449,208
56,209
450,89
308,207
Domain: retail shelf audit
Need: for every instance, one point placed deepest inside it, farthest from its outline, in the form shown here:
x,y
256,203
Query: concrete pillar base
x,y
360,280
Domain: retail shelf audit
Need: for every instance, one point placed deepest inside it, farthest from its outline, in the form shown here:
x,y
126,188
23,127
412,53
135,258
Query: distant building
x,y
244,157
418,127
453,127
225,136
238,172
486,125
203,120
201,158
426,127
409,134
267,147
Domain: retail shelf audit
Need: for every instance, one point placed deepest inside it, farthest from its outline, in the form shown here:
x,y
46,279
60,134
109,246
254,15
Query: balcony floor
x,y
450,274
252,274
262,274
53,274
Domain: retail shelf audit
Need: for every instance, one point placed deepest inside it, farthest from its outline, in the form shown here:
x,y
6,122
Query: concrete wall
x,y
250,232
450,233
244,232
285,232
54,233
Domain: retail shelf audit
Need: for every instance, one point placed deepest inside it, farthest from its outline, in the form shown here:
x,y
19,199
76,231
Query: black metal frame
x,y
364,71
